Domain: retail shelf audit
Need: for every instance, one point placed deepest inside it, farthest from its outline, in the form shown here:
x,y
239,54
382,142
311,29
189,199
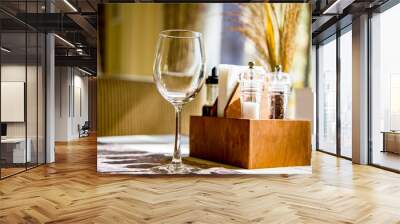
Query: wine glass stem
x,y
177,159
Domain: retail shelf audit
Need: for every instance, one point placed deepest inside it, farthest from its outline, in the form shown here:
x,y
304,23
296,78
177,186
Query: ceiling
x,y
329,16
75,23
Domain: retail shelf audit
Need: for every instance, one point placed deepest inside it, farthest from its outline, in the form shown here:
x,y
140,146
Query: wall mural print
x,y
136,122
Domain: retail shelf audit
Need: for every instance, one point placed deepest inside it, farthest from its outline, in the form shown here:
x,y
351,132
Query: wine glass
x,y
179,75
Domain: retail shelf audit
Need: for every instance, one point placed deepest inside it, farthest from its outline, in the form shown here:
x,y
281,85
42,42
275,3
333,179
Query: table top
x,y
13,140
137,154
391,132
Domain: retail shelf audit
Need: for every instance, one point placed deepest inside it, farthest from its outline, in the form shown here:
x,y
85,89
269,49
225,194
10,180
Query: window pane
x,y
327,97
31,100
346,94
41,98
15,149
386,89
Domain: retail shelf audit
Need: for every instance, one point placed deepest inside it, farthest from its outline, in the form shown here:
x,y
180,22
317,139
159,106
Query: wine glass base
x,y
174,169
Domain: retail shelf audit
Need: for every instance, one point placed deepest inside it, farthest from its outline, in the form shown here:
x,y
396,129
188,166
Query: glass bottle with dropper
x,y
212,93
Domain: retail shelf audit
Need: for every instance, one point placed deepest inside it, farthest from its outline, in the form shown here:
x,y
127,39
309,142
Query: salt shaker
x,y
251,88
278,94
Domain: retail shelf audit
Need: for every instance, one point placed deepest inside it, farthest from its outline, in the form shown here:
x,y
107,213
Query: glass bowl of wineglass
x,y
179,73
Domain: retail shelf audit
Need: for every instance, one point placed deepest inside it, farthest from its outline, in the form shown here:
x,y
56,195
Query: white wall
x,y
12,73
71,94
80,110
62,82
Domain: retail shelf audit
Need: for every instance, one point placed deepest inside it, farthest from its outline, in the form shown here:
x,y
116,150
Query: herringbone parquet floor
x,y
70,191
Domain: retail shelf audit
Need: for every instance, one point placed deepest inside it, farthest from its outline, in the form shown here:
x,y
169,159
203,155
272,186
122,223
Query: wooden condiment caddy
x,y
250,144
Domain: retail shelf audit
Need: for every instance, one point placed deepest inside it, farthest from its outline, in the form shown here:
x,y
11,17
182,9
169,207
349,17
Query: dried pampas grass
x,y
272,29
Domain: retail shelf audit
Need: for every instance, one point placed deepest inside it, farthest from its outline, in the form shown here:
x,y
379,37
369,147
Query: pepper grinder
x,y
278,94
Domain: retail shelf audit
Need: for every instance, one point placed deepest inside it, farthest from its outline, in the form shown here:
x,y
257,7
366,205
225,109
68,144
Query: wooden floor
x,y
10,171
70,191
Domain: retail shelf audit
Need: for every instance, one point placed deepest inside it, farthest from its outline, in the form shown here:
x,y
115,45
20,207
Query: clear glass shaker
x,y
278,94
251,89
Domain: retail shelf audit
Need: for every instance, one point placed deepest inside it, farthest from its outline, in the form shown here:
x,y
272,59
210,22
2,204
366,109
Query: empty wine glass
x,y
179,75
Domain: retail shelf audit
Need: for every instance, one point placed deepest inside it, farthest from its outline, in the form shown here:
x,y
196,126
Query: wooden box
x,y
251,144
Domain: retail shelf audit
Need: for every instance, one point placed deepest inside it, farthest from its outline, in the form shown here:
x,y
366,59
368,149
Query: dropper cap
x,y
213,78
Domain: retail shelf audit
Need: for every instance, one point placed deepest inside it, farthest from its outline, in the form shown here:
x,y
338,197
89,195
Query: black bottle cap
x,y
251,64
213,78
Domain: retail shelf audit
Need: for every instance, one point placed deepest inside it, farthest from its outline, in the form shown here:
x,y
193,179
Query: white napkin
x,y
228,76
